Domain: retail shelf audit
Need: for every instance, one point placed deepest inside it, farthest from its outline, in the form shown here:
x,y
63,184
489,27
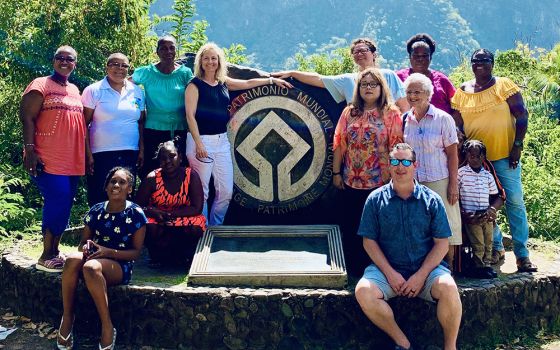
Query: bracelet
x,y
30,145
334,174
270,80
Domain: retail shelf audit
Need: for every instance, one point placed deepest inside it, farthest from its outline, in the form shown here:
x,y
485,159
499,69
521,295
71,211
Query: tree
x,y
32,30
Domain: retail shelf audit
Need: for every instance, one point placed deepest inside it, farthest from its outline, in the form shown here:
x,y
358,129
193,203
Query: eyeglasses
x,y
405,162
414,92
206,160
359,51
481,60
372,85
118,65
65,59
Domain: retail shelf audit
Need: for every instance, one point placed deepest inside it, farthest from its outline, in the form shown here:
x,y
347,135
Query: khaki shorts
x,y
453,211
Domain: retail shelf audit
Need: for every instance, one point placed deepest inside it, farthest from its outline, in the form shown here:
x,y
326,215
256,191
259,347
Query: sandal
x,y
68,340
525,265
51,265
112,345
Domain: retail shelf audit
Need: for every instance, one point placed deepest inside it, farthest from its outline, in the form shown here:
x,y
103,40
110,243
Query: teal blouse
x,y
165,96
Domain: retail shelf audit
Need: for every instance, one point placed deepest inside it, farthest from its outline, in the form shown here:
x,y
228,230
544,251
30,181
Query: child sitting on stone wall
x,y
479,199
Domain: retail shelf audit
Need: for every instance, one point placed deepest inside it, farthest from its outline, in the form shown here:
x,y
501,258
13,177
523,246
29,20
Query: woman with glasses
x,y
54,135
432,133
114,110
420,48
171,197
341,87
208,147
365,134
491,109
164,84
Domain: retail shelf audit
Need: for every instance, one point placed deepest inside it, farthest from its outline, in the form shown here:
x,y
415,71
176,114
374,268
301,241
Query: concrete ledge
x,y
233,318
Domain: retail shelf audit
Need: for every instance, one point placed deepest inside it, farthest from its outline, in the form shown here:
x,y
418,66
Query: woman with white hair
x,y
432,134
208,147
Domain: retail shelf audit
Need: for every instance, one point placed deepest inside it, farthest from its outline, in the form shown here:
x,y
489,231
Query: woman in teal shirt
x,y
164,85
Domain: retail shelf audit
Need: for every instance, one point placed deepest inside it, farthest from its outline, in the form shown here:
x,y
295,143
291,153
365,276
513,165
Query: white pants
x,y
220,167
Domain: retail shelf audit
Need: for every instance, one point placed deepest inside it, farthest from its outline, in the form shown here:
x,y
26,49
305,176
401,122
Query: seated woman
x,y
172,198
112,239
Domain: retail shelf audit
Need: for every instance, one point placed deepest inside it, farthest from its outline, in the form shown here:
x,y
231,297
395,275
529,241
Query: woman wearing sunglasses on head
x,y
208,147
491,109
432,133
54,149
114,110
366,131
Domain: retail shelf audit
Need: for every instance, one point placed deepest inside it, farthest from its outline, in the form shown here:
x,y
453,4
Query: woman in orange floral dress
x,y
172,199
366,131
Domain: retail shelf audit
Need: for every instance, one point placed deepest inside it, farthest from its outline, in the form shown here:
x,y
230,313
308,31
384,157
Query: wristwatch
x,y
518,143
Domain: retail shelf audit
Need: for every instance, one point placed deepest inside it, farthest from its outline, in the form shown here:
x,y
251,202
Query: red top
x,y
165,201
60,130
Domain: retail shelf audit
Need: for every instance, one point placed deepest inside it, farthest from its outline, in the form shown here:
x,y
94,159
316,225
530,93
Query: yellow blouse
x,y
487,116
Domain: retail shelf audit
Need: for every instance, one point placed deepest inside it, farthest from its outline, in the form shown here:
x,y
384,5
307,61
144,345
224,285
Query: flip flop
x,y
51,265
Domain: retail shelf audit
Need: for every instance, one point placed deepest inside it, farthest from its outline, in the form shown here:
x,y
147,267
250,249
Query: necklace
x,y
485,84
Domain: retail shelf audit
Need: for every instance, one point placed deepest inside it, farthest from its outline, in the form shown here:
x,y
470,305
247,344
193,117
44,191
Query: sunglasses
x,y
481,60
69,59
405,162
206,160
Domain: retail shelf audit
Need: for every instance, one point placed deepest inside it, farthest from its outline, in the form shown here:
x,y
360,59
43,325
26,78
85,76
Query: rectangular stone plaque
x,y
271,256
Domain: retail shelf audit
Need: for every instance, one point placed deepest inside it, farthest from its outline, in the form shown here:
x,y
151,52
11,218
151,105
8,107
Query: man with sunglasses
x,y
405,233
341,87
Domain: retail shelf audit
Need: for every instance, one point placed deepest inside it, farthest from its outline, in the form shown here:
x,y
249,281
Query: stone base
x,y
234,318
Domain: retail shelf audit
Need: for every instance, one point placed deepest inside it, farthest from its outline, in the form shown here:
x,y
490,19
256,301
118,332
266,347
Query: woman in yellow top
x,y
491,109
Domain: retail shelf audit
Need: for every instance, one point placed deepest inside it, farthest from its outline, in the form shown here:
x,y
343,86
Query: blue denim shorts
x,y
375,276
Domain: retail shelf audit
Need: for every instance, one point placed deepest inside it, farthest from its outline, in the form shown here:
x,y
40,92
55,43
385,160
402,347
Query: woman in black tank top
x,y
208,148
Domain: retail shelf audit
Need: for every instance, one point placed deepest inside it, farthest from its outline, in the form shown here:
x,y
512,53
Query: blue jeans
x,y
515,207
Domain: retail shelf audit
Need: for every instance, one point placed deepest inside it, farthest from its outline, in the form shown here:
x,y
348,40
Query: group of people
x,y
406,182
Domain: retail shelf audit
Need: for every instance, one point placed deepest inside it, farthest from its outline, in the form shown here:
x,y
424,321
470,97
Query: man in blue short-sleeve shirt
x,y
405,231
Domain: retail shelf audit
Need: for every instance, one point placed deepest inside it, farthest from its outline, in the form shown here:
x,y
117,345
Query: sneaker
x,y
54,265
497,256
525,265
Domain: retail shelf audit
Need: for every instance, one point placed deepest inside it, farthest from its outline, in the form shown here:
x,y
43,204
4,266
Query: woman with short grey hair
x,y
431,132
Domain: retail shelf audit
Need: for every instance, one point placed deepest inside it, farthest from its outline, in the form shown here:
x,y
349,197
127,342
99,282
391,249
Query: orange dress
x,y
165,201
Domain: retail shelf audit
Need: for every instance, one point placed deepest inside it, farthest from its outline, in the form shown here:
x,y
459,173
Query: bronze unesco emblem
x,y
281,149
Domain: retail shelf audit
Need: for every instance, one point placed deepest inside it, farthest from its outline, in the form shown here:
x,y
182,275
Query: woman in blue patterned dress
x,y
112,239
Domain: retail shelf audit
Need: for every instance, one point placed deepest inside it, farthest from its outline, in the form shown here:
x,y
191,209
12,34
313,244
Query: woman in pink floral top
x,y
366,131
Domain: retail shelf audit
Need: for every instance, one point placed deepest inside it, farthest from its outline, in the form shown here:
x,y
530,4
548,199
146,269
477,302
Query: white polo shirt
x,y
114,126
475,189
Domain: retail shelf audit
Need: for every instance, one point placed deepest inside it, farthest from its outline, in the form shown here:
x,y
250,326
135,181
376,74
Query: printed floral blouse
x,y
114,230
365,140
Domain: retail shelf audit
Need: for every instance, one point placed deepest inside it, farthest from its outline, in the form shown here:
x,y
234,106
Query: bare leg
x,y
449,309
48,240
55,243
70,277
379,312
450,257
98,274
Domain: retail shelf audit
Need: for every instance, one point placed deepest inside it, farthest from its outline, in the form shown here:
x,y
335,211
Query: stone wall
x,y
233,318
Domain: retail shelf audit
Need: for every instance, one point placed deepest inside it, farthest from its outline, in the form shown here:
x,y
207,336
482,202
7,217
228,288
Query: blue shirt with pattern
x,y
115,230
404,229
